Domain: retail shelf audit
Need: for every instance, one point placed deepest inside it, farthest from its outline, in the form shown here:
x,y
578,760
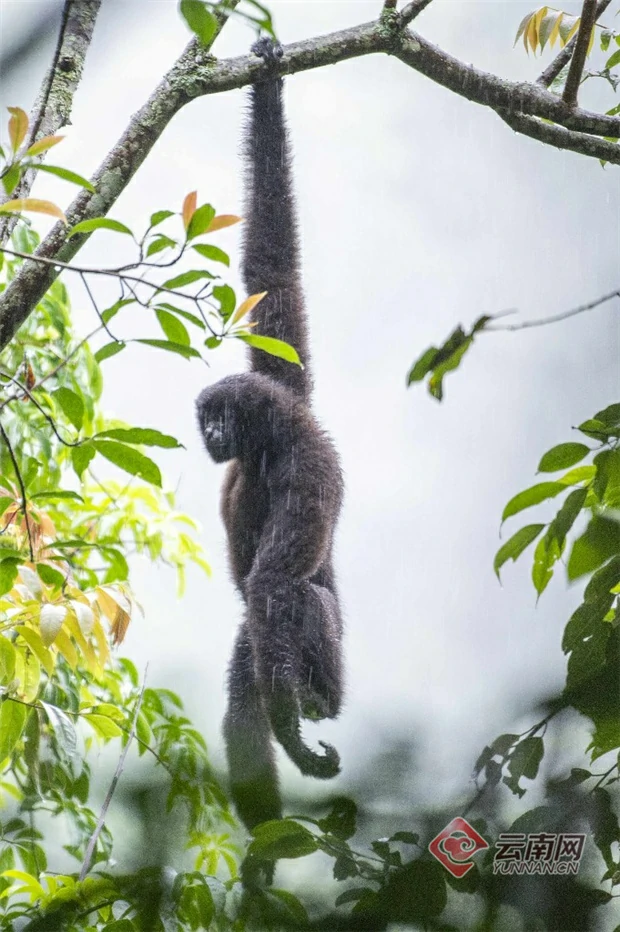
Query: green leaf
x,y
159,216
7,661
129,460
532,496
595,429
567,515
159,244
606,486
81,457
226,298
185,314
578,475
341,821
102,725
613,60
100,223
514,547
113,310
524,762
282,838
603,581
12,720
186,278
547,552
200,222
71,405
563,456
67,175
146,436
406,838
210,252
174,330
200,20
213,342
413,895
50,576
609,416
8,575
600,541
10,180
584,620
110,349
423,365
440,369
272,346
187,351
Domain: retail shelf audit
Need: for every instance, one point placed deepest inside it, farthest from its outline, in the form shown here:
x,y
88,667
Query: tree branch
x,y
413,9
53,107
108,799
564,315
196,74
561,138
562,59
577,63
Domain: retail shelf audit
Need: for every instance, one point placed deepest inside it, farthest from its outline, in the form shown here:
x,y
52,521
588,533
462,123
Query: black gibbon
x,y
281,497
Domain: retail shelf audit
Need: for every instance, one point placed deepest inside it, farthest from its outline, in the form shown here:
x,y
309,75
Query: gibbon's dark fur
x,y
281,496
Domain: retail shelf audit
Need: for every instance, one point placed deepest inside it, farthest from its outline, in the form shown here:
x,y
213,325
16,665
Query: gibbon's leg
x,y
279,596
247,731
320,687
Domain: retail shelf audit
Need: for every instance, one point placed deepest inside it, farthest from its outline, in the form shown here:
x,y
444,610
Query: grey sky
x,y
418,210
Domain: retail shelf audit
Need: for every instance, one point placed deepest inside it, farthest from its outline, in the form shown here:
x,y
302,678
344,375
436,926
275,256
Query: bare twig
x,y
52,110
413,9
565,315
196,74
22,489
96,307
573,79
108,799
562,58
561,138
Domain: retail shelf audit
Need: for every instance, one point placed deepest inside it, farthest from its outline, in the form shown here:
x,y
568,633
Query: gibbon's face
x,y
218,430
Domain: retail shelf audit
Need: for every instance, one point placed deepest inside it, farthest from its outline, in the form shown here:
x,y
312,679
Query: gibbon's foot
x,y
268,49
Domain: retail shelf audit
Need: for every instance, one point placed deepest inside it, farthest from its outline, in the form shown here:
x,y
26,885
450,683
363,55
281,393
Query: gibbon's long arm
x,y
271,243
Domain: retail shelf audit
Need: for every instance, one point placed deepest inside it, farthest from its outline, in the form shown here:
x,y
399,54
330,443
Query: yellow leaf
x,y
18,127
65,646
102,643
28,672
522,27
33,204
531,34
107,604
189,208
36,645
247,306
86,648
44,144
556,30
221,221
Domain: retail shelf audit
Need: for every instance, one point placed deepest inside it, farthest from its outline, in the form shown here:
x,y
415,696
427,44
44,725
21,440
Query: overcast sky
x,y
419,210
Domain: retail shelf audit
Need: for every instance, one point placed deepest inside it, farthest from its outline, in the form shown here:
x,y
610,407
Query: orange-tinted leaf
x,y
119,626
247,306
221,221
18,127
189,208
44,144
33,204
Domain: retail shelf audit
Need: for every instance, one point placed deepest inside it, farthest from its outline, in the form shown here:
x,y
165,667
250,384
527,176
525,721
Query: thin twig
x,y
577,62
117,774
562,59
48,417
82,270
413,9
56,369
96,307
22,489
565,315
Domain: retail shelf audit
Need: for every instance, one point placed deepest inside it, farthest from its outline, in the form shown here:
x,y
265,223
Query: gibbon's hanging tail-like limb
x,y
281,497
